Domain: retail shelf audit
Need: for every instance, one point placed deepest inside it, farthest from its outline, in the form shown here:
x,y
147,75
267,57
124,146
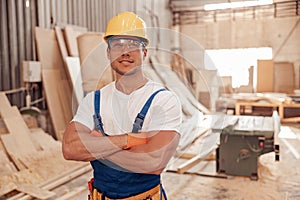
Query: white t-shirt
x,y
118,110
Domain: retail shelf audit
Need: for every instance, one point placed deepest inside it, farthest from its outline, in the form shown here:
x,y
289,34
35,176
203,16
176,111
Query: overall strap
x,y
139,120
96,116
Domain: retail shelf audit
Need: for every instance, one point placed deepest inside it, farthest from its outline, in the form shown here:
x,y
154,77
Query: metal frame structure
x,y
193,14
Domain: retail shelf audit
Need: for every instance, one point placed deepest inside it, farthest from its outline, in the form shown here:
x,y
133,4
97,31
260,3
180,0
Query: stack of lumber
x,y
193,124
31,161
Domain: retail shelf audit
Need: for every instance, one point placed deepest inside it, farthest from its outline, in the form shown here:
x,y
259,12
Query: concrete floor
x,y
277,180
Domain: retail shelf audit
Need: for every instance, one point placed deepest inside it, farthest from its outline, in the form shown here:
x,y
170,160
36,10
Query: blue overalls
x,y
114,181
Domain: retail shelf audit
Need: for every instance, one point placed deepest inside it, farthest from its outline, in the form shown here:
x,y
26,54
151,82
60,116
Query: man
x,y
127,153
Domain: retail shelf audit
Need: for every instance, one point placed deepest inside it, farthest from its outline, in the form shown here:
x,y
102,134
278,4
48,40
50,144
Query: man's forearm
x,y
79,144
150,157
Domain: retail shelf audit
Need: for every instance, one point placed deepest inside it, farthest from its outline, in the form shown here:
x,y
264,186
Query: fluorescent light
x,y
238,4
27,3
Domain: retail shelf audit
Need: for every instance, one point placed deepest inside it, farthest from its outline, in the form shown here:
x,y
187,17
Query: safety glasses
x,y
121,44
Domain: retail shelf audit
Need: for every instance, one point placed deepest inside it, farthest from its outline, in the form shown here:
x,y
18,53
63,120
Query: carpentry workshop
x,y
150,100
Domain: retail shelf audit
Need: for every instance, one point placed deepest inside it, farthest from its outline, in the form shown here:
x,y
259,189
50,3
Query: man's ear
x,y
108,53
145,52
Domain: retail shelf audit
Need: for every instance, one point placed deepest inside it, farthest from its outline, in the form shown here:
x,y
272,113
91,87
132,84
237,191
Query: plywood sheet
x,y
265,76
51,85
73,66
71,33
284,77
47,49
87,42
95,70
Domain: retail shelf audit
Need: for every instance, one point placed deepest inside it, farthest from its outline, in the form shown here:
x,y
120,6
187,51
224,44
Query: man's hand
x,y
135,139
96,133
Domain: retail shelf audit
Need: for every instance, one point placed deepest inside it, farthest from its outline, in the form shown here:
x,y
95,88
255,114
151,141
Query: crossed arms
x,y
152,157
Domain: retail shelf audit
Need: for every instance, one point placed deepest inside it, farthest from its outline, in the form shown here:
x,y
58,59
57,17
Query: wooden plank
x,y
71,33
61,42
265,76
51,82
66,100
47,49
35,191
173,82
6,167
44,140
6,188
190,163
205,147
12,147
20,131
73,66
5,105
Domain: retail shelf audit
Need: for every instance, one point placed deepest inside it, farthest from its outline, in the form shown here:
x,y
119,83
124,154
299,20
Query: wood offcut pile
x,y
31,162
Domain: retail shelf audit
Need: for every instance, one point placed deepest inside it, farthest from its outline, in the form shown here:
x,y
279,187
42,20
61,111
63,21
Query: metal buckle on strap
x,y
138,123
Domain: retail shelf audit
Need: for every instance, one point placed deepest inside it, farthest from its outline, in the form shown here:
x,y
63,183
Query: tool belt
x,y
152,194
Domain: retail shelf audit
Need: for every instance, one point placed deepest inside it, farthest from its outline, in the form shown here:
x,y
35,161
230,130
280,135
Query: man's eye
x,y
134,45
118,45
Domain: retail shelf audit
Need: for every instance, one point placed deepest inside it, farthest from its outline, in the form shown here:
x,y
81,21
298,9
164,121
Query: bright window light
x,y
238,4
236,62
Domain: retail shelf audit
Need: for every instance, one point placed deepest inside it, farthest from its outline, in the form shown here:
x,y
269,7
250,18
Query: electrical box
x,y
31,71
242,140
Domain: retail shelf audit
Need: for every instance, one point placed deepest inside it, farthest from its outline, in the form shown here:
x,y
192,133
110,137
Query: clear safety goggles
x,y
121,44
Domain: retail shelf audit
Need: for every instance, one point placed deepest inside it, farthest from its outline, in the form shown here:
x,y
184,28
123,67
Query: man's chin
x,y
126,73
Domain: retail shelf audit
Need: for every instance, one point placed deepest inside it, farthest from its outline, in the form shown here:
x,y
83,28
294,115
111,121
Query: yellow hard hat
x,y
127,24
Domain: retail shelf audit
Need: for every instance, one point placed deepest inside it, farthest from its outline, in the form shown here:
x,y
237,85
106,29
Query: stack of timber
x,y
31,161
194,121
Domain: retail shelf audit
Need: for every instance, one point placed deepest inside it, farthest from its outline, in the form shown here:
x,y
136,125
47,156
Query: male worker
x,y
129,129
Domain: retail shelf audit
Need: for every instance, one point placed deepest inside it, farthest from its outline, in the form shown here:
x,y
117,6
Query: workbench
x,y
288,112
